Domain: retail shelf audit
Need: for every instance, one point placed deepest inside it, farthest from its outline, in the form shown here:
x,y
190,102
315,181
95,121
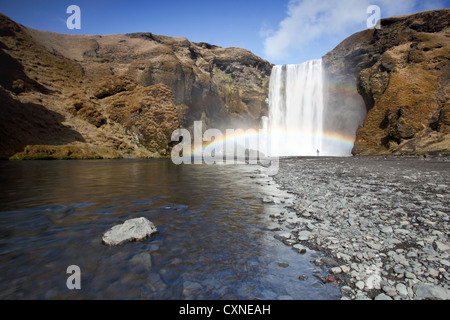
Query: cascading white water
x,y
296,107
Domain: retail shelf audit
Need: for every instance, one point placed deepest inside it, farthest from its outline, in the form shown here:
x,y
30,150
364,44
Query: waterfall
x,y
296,107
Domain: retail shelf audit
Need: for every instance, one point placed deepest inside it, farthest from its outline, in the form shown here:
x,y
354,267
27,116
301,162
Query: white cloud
x,y
266,30
311,20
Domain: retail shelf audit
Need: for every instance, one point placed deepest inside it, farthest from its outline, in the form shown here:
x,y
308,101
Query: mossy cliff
x,y
402,72
87,97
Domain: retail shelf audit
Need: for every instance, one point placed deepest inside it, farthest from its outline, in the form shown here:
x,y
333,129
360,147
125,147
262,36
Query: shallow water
x,y
215,239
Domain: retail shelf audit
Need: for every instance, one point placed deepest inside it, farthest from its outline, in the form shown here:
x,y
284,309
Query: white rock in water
x,y
301,249
285,235
132,230
268,200
304,235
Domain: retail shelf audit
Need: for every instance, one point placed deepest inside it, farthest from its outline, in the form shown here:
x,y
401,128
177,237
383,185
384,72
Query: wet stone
x,y
132,230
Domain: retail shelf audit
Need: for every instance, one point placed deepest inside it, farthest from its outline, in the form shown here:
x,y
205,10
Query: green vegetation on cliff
x,y
402,71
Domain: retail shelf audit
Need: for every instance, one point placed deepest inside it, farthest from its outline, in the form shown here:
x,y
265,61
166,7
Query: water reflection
x,y
213,241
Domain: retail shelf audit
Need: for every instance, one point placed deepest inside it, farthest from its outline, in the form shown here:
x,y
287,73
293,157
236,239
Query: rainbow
x,y
336,138
341,87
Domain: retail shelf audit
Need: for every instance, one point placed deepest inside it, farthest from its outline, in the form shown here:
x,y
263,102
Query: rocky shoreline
x,y
382,221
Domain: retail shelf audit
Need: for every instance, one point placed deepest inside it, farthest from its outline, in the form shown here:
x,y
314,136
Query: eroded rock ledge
x,y
402,71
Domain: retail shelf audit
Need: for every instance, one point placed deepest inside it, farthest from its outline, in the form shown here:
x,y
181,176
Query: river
x,y
215,237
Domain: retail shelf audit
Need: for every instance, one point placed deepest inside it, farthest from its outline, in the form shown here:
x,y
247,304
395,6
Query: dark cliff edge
x,y
113,96
402,73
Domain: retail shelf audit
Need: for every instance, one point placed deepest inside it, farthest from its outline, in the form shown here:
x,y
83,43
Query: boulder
x,y
138,229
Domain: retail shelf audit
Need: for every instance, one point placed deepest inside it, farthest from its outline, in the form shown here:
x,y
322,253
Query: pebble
x,y
285,235
303,278
390,291
336,270
301,249
346,289
387,230
304,235
360,285
425,291
382,296
401,289
345,269
440,246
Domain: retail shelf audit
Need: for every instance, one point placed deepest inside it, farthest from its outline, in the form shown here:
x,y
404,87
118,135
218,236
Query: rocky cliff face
x,y
402,72
70,96
222,86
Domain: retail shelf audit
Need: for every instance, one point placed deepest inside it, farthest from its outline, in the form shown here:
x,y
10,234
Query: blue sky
x,y
281,31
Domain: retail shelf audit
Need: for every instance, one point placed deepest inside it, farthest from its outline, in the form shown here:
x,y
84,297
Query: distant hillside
x,y
72,96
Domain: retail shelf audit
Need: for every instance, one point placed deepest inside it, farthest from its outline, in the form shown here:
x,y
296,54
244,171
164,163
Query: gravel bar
x,y
382,221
